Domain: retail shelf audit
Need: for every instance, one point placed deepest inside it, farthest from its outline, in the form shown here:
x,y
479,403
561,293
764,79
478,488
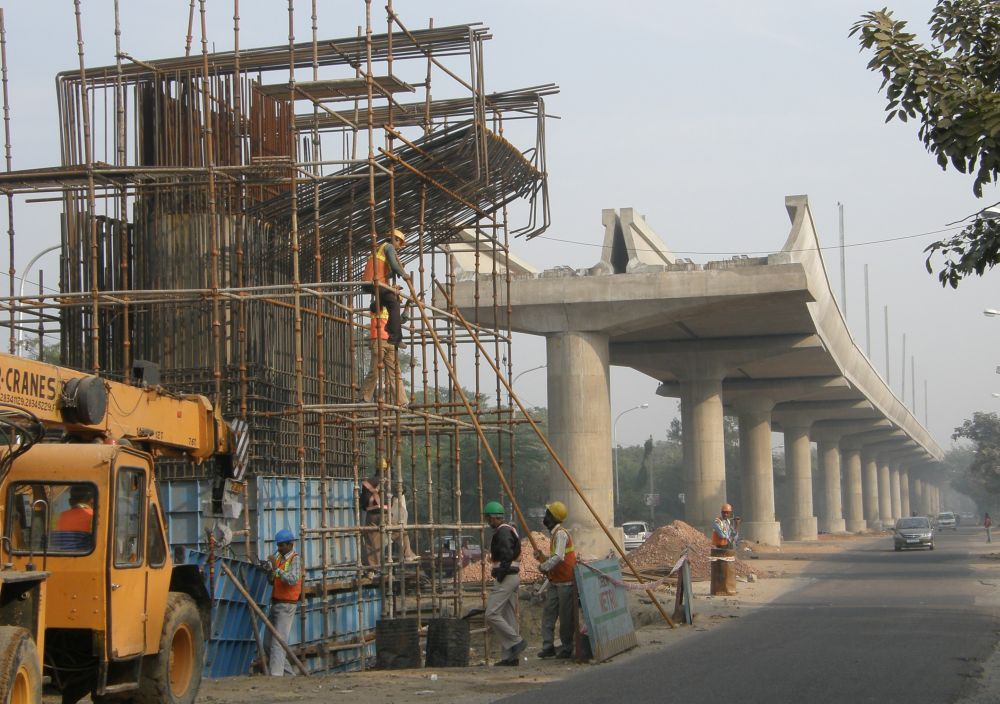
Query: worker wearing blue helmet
x,y
285,569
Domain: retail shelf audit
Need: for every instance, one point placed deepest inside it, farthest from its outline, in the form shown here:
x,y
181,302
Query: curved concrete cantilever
x,y
763,336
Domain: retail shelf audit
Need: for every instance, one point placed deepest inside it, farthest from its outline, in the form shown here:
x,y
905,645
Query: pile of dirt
x,y
475,572
663,548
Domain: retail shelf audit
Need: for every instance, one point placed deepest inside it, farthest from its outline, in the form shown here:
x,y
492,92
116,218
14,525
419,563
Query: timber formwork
x,y
217,212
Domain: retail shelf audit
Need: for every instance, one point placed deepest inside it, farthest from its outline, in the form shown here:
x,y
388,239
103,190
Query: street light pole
x,y
614,437
20,293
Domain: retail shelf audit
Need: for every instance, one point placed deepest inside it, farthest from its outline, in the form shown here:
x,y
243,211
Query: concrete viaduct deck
x,y
760,338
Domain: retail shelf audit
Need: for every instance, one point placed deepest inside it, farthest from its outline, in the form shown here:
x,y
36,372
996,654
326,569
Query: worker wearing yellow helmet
x,y
379,276
557,567
725,530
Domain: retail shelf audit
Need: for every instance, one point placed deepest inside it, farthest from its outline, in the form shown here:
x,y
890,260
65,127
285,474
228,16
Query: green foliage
x,y
951,89
981,477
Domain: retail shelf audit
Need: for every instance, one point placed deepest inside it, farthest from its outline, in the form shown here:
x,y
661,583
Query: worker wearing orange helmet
x,y
725,530
557,567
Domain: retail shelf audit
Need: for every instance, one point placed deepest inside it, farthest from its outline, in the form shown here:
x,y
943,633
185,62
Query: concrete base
x,y
800,528
767,532
856,526
833,525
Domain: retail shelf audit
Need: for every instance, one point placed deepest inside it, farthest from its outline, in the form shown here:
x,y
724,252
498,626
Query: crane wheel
x,y
20,672
173,675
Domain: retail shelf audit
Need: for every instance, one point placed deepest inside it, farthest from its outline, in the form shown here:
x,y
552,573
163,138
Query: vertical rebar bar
x,y
11,270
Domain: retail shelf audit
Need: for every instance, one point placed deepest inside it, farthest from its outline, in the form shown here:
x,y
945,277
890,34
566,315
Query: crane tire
x,y
20,671
173,675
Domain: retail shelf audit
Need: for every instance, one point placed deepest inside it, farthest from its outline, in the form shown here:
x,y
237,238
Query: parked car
x,y
913,532
450,551
636,533
946,519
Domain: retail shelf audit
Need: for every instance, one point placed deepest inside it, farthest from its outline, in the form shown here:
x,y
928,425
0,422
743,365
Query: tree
x,y
981,479
951,87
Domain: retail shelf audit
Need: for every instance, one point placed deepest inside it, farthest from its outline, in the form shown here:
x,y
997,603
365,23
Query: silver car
x,y
636,533
914,532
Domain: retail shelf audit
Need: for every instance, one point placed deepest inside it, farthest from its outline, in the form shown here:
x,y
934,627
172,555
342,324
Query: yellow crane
x,y
89,595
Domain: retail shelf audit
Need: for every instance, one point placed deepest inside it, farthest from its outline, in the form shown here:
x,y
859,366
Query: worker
x,y
380,273
383,353
726,529
284,568
501,605
371,515
557,567
399,515
75,526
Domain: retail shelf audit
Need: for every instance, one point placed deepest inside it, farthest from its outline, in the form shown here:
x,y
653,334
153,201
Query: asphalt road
x,y
874,626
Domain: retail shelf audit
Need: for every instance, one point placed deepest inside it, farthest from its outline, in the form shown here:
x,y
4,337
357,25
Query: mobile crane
x,y
90,599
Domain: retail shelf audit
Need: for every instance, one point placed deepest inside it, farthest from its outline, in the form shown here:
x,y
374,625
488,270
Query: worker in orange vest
x,y
75,526
726,529
381,271
285,569
383,353
557,567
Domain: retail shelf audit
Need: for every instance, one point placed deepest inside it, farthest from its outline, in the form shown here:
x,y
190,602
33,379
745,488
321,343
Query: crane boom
x,y
162,422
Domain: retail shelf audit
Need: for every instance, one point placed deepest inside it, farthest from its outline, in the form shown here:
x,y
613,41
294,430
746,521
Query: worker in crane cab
x,y
285,569
75,526
726,529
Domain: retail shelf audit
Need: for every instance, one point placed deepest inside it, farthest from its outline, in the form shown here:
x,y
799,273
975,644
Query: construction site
x,y
217,212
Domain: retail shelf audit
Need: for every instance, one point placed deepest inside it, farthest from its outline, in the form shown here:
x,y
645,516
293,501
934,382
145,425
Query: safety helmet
x,y
558,510
727,508
284,536
493,508
399,235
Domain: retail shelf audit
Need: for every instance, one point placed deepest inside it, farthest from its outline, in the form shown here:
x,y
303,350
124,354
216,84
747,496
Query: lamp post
x,y
614,434
520,374
20,292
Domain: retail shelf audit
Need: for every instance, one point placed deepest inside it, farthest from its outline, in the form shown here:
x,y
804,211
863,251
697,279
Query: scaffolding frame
x,y
205,228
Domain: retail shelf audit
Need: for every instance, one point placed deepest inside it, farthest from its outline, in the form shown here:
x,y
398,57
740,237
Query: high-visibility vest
x,y
718,540
563,572
78,518
283,591
377,268
378,324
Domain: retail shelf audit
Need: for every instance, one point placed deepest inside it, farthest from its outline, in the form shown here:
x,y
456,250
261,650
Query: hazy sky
x,y
702,116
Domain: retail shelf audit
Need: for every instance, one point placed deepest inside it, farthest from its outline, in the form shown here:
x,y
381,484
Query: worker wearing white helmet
x,y
557,567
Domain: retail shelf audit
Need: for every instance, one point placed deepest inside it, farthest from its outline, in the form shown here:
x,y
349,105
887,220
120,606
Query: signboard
x,y
604,608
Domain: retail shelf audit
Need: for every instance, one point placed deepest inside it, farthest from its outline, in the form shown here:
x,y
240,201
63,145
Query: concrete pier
x,y
854,515
759,524
800,523
869,468
832,519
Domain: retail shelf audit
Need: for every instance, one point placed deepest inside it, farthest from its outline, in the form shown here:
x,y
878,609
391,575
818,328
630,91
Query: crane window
x,y
57,516
156,548
130,498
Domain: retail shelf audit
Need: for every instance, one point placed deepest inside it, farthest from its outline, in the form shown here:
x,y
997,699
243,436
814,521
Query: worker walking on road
x,y
285,569
501,606
380,274
726,529
558,569
988,525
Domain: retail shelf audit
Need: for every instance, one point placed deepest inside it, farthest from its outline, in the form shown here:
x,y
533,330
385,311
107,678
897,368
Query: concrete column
x,y
759,524
897,503
705,466
935,499
884,494
580,432
904,491
832,520
918,497
801,523
871,502
853,511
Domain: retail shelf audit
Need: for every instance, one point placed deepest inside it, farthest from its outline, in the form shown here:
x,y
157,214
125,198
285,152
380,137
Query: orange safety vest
x,y
378,323
717,540
283,591
78,518
377,268
563,572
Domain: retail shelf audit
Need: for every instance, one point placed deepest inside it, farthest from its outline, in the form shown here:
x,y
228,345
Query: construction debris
x,y
665,546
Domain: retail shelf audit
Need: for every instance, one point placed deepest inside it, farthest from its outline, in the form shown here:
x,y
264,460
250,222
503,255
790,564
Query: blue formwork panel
x,y
281,503
181,502
343,624
232,646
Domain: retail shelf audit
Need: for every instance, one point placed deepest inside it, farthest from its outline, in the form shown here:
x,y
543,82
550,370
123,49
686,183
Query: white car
x,y
636,533
946,519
